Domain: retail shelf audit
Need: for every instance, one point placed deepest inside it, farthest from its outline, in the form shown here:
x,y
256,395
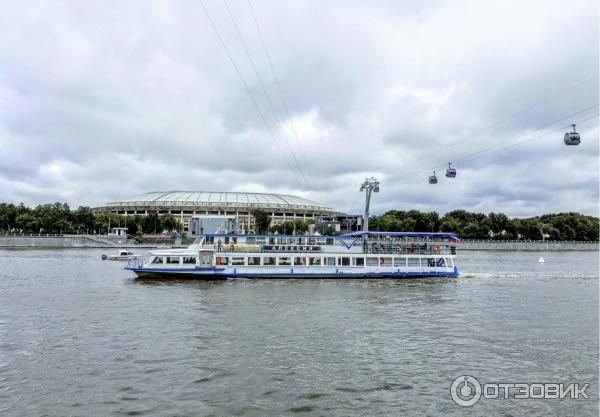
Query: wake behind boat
x,y
353,255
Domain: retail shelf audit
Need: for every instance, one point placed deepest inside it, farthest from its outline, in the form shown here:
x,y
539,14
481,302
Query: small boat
x,y
541,260
122,255
353,255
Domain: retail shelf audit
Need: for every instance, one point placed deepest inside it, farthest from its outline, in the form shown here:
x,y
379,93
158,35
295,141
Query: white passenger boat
x,y
121,255
354,255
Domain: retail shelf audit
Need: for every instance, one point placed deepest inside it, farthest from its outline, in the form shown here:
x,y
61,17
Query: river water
x,y
79,336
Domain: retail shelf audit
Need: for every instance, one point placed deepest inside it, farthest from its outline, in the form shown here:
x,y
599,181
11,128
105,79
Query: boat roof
x,y
259,235
451,236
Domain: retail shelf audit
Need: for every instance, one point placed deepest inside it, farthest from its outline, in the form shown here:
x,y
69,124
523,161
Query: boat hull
x,y
118,258
204,274
222,273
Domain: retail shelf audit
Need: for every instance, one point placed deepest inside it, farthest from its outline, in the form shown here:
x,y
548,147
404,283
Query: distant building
x,y
118,231
188,205
212,224
341,223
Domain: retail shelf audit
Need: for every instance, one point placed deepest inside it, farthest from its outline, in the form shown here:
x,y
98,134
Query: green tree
x,y
134,225
298,227
262,219
151,223
169,222
83,219
330,230
27,222
8,216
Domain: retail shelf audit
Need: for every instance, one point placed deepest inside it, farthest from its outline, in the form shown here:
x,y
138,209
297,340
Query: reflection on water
x,y
81,336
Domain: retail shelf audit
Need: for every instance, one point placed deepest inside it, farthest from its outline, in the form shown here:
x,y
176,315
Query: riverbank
x,y
114,241
84,241
516,245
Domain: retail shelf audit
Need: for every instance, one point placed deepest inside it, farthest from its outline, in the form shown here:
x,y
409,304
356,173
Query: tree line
x,y
262,222
58,218
497,226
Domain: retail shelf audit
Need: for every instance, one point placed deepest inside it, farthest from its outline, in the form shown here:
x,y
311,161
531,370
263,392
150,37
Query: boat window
x,y
222,260
413,262
260,240
237,260
254,260
285,261
329,261
385,261
205,259
173,260
358,261
314,261
449,261
399,261
329,241
189,259
311,240
300,260
157,260
250,240
371,261
345,261
271,260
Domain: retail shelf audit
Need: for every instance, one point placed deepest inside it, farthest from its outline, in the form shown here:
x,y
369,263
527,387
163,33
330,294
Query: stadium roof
x,y
220,199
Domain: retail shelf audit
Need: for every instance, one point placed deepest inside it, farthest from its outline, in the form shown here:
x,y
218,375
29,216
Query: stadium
x,y
186,204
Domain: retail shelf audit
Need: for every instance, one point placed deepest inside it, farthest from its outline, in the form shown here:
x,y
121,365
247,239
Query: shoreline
x,y
117,242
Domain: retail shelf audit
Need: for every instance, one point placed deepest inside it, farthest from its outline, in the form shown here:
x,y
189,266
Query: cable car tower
x,y
370,185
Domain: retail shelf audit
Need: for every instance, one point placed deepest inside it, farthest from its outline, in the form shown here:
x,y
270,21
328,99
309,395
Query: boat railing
x,y
372,248
237,248
409,249
135,262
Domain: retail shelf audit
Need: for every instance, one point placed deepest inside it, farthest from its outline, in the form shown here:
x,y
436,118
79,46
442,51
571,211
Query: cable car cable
x,y
281,95
485,150
264,90
544,101
247,88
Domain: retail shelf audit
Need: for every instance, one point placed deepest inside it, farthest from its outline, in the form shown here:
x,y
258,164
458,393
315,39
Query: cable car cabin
x,y
433,179
450,172
572,138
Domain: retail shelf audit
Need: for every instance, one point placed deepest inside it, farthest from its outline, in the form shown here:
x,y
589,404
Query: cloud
x,y
101,101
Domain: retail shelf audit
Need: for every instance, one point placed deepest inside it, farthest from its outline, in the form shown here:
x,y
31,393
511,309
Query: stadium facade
x,y
184,205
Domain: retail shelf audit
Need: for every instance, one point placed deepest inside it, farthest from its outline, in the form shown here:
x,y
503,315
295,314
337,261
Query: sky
x,y
103,100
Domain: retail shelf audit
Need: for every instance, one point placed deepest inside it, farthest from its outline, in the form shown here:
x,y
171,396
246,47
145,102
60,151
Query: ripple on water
x,y
79,337
302,409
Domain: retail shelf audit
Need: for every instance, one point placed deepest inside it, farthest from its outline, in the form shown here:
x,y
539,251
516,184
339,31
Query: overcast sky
x,y
110,99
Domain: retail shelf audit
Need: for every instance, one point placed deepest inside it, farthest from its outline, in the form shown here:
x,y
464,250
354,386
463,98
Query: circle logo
x,y
465,390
